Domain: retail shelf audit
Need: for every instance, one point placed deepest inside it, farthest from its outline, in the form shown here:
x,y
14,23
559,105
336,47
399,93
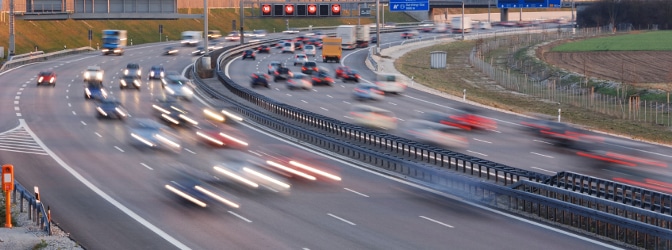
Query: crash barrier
x,y
36,211
373,62
633,231
23,60
30,54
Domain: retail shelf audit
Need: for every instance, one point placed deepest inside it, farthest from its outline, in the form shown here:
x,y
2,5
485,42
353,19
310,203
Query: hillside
x,y
54,35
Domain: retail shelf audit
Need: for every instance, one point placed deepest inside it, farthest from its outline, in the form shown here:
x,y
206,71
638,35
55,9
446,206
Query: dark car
x,y
170,51
259,79
309,67
316,42
221,136
322,78
195,190
111,109
340,71
156,72
350,75
282,73
145,132
264,49
133,69
129,82
94,90
374,39
249,54
298,45
173,113
46,77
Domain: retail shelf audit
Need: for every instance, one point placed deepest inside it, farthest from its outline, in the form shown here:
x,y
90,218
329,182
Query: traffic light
x,y
324,10
301,10
289,9
278,9
335,9
266,10
312,10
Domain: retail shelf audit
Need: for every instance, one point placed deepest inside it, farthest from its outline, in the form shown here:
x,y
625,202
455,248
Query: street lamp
x,y
462,23
377,26
205,27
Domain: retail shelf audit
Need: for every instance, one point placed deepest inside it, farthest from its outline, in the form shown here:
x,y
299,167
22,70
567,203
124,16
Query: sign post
x,y
7,187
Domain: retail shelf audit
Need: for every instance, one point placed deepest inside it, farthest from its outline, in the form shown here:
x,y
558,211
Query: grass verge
x,y
649,41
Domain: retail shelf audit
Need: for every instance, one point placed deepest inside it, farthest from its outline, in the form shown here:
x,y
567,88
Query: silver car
x,y
299,81
300,59
434,133
178,87
369,116
310,50
146,132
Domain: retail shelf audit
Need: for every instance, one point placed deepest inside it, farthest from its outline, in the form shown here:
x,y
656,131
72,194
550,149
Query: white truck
x,y
191,38
457,25
363,36
348,35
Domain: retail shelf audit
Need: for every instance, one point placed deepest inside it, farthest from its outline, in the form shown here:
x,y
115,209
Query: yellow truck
x,y
331,49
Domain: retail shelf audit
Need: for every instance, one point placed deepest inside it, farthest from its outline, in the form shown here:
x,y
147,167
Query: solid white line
x,y
145,165
190,151
83,123
474,152
356,192
436,221
74,113
543,142
304,101
341,219
324,109
97,134
118,148
241,217
102,194
481,140
346,102
547,156
545,170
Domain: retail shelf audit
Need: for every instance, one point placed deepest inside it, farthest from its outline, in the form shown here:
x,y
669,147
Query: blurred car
x,y
369,116
170,51
374,39
134,70
299,81
249,54
282,73
249,171
310,50
232,36
434,134
315,42
111,109
93,74
309,68
273,66
178,87
298,45
173,113
94,91
143,132
408,34
259,79
295,163
301,39
223,116
288,47
300,59
156,72
561,134
340,70
195,189
264,49
220,136
466,120
259,33
130,81
322,78
291,31
46,77
367,91
350,75
199,51
390,83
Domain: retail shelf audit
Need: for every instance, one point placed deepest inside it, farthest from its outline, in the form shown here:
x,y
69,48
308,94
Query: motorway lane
x,y
530,152
313,216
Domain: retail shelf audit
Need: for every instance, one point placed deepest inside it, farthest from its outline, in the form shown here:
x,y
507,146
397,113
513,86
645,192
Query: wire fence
x,y
534,78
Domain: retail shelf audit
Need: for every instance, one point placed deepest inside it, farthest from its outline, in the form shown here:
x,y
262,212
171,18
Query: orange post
x,y
7,187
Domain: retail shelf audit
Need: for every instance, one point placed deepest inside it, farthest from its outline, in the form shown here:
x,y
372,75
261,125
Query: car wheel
x,y
275,80
356,80
268,86
53,85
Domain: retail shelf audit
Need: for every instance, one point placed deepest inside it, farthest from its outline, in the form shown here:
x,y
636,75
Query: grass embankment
x,y
480,88
53,35
649,41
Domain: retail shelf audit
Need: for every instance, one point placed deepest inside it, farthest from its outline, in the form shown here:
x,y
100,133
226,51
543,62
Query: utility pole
x,y
205,28
377,26
462,23
242,23
11,28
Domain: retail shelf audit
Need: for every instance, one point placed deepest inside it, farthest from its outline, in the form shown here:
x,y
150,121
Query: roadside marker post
x,y
7,187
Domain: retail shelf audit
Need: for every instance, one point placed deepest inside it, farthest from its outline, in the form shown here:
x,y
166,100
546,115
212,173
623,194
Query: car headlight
x,y
136,83
87,91
101,111
139,72
170,91
99,76
40,79
52,80
86,75
151,73
187,91
162,74
120,111
103,92
123,82
125,72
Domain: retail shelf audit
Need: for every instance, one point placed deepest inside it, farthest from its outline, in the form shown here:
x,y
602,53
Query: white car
x,y
144,132
93,73
390,83
300,59
299,81
259,33
288,47
310,50
369,116
178,87
434,133
233,36
291,31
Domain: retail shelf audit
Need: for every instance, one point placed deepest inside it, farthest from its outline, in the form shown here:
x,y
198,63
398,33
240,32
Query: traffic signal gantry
x,y
300,10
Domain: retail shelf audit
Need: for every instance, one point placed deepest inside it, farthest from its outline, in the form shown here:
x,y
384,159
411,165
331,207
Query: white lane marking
x,y
97,134
356,192
419,111
392,103
74,113
288,95
543,142
17,97
304,101
475,139
16,108
21,89
341,219
19,93
436,221
324,109
69,104
67,90
118,148
145,165
190,151
330,96
346,102
18,114
496,131
16,102
443,106
67,97
102,194
553,172
547,156
239,216
474,152
83,123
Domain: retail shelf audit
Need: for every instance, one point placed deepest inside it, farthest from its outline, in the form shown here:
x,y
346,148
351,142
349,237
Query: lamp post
x,y
242,23
205,27
377,26
462,23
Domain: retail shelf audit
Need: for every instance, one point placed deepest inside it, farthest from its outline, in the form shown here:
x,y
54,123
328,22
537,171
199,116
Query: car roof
x,y
157,67
132,66
93,68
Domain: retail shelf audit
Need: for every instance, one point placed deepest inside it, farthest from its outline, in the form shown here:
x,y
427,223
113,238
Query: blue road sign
x,y
502,4
409,5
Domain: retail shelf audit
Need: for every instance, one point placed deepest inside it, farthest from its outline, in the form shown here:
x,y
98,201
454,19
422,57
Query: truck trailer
x,y
191,38
331,49
457,25
348,35
363,36
114,42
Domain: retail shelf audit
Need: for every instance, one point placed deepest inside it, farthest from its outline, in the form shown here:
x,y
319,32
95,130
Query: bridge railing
x,y
35,208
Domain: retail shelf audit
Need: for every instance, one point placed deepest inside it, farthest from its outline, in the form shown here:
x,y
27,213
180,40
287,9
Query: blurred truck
x,y
457,25
114,42
331,49
362,36
348,35
191,38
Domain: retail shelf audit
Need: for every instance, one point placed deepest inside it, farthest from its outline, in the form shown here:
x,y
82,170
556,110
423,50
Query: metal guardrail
x,y
36,211
42,57
562,207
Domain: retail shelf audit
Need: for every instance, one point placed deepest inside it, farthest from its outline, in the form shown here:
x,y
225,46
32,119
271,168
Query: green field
x,y
649,41
53,35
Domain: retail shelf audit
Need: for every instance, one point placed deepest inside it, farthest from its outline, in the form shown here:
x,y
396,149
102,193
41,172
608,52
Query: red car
x,y
463,120
340,71
264,49
46,77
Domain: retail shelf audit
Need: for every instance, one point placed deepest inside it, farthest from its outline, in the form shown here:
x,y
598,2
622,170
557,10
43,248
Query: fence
x,y
562,88
30,58
36,211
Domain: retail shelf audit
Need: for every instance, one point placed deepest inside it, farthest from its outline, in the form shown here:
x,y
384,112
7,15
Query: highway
x,y
110,195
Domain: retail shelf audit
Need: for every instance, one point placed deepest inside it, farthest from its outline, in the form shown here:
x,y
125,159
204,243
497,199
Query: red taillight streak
x,y
607,159
637,159
645,185
468,128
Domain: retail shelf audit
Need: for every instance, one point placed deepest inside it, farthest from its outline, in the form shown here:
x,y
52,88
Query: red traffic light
x,y
266,9
335,9
289,10
312,9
